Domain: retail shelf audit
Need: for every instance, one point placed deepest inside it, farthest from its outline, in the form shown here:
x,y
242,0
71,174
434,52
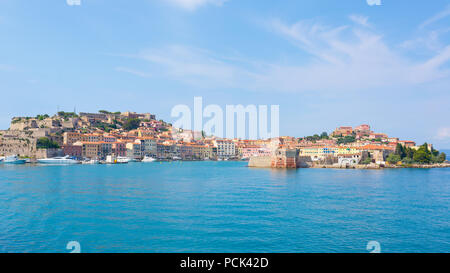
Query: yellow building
x,y
92,150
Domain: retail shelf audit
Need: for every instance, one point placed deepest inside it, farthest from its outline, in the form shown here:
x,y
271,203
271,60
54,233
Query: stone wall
x,y
260,162
17,143
48,153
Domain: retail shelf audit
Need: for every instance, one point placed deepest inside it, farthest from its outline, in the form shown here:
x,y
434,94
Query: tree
x,y
131,124
346,140
324,135
393,158
366,161
42,117
442,157
409,152
400,150
422,155
45,143
407,161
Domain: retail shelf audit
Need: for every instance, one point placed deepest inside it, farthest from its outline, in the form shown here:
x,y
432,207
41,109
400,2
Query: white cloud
x,y
443,133
342,58
359,19
192,5
194,66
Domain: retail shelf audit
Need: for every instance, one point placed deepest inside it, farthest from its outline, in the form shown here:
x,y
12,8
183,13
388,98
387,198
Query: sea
x,y
185,207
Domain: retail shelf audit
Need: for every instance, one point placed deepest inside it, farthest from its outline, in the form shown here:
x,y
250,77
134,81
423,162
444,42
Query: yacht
x,y
14,159
122,160
148,159
58,160
176,158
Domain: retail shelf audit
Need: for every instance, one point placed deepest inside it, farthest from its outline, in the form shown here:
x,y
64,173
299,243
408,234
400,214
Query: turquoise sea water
x,y
222,207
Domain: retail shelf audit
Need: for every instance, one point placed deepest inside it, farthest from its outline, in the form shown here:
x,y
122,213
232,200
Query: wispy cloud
x,y
133,71
340,58
439,16
443,133
192,5
359,19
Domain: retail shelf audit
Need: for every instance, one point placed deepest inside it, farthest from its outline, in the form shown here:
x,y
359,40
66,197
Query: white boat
x,y
58,160
148,159
122,160
14,159
176,158
91,162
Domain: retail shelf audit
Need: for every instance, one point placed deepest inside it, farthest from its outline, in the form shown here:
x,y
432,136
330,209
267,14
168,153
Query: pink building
x,y
119,149
254,151
73,150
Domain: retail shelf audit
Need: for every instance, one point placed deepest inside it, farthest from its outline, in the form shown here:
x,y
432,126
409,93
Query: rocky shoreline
x,y
378,167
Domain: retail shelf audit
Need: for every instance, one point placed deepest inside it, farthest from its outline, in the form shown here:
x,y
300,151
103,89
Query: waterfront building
x,y
134,150
75,150
119,149
255,151
200,151
106,149
186,152
92,150
148,146
165,150
109,138
225,149
69,138
349,160
92,138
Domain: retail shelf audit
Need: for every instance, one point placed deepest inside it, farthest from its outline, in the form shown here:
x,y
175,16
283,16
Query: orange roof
x,y
375,147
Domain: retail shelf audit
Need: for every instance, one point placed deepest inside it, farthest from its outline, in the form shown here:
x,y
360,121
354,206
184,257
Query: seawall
x,y
260,162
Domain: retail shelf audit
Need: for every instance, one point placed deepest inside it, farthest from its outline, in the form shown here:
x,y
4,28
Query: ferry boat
x,y
14,159
148,159
66,160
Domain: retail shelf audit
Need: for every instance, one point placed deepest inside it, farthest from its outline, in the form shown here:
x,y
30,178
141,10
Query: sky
x,y
326,63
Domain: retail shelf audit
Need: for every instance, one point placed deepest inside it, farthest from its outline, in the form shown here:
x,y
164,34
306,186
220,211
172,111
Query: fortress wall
x,y
260,162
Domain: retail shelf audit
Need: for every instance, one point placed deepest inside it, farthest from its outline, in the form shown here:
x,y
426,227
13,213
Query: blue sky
x,y
326,63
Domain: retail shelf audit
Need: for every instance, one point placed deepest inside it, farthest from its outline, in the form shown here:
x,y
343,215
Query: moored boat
x,y
14,159
148,159
91,162
122,160
66,160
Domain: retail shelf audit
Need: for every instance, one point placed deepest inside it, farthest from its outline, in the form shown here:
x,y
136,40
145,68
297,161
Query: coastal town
x,y
108,137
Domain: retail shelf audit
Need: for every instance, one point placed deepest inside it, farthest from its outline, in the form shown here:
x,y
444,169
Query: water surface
x,y
222,207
